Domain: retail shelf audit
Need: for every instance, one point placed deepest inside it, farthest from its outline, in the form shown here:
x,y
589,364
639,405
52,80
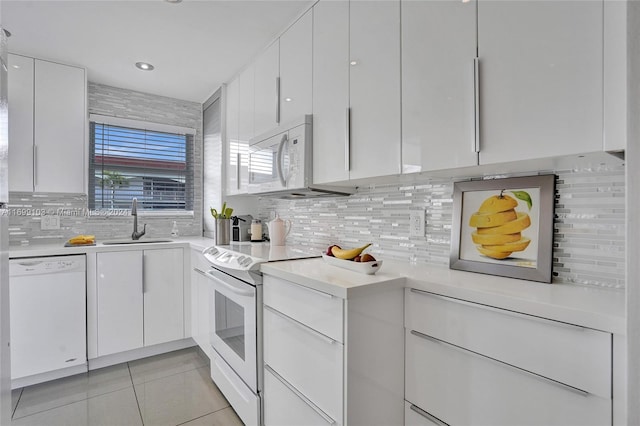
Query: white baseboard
x,y
45,377
106,361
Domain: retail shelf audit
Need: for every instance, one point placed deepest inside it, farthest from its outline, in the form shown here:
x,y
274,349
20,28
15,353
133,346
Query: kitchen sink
x,y
143,241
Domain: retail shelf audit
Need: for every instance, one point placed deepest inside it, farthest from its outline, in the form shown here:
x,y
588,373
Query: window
x,y
150,162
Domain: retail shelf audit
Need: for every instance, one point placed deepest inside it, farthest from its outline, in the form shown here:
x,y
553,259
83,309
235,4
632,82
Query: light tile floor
x,y
169,389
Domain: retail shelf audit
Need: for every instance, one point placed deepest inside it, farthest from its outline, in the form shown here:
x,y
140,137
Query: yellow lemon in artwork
x,y
498,203
498,227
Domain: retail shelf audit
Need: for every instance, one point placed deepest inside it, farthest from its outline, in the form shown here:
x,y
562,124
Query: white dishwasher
x,y
48,318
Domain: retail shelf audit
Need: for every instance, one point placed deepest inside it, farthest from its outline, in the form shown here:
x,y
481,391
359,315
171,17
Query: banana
x,y
83,239
348,254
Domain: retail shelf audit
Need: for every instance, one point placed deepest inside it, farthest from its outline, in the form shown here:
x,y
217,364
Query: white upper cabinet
x,y
231,138
295,69
615,75
374,88
245,123
438,101
60,117
330,91
541,79
47,117
21,123
266,102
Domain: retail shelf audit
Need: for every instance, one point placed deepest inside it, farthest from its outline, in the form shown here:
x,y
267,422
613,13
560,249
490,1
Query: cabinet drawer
x,y
308,360
577,356
321,311
286,406
461,387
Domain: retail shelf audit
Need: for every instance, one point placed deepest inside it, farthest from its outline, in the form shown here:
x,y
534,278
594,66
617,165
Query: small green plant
x,y
224,213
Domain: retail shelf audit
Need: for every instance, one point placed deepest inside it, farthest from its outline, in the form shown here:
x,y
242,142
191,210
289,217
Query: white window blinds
x,y
127,162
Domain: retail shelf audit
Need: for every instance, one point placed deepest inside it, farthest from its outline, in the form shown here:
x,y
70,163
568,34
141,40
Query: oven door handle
x,y
239,291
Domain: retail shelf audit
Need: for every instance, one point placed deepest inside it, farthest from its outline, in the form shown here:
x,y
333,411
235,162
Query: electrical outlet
x,y
50,222
416,223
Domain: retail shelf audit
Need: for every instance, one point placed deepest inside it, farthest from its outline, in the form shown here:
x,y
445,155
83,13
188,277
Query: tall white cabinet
x,y
374,88
231,139
295,69
47,119
330,91
541,79
438,85
356,90
266,89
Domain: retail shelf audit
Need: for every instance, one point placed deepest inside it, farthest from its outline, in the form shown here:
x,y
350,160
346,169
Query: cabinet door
x,y
20,123
295,69
540,79
266,94
330,91
438,102
60,116
163,295
375,88
231,138
119,282
204,298
245,123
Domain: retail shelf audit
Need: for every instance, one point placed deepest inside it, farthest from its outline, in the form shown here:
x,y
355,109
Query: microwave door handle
x,y
279,161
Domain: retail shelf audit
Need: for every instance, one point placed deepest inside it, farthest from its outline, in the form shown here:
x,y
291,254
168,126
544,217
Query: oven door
x,y
269,164
233,324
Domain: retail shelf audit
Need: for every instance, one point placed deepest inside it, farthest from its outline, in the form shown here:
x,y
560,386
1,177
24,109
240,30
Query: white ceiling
x,y
195,45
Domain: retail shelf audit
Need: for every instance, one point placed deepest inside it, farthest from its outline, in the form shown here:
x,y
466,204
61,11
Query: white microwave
x,y
280,163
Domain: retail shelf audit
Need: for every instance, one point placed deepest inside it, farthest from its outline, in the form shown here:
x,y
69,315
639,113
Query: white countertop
x,y
593,307
597,308
317,274
58,249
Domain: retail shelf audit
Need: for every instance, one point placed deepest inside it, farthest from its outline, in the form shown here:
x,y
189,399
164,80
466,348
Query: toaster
x,y
241,228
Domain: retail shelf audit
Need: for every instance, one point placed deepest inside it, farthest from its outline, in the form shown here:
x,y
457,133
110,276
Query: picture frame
x,y
504,227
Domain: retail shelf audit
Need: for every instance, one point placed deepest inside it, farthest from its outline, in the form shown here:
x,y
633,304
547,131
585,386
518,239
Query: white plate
x,y
368,268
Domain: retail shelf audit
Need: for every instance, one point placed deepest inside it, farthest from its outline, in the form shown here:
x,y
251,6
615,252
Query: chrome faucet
x,y
134,212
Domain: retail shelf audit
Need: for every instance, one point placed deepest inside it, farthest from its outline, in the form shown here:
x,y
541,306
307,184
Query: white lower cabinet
x,y
139,299
286,406
467,363
319,371
200,301
310,361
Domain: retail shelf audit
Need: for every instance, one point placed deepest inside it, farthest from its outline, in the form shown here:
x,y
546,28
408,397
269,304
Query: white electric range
x,y
235,299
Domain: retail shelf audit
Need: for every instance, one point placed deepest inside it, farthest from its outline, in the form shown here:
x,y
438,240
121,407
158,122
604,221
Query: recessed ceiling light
x,y
288,99
15,66
144,66
354,62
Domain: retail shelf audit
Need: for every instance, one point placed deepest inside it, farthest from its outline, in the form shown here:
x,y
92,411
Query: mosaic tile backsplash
x,y
589,230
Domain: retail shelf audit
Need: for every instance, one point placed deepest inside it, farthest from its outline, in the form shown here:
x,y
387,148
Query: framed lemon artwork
x,y
504,227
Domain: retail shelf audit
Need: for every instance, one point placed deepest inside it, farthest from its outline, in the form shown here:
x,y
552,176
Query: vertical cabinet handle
x,y
476,96
278,100
347,141
238,159
35,166
144,263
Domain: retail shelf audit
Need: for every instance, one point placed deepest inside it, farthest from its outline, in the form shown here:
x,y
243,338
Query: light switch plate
x,y
416,223
50,222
